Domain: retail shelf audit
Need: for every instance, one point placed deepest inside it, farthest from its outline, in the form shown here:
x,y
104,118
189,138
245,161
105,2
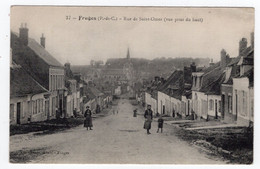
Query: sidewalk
x,y
215,127
54,125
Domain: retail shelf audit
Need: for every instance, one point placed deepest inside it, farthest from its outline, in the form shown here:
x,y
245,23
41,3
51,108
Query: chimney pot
x,y
43,40
23,34
242,45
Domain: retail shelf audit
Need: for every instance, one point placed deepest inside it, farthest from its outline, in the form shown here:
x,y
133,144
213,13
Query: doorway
x,y
216,109
223,106
163,109
18,117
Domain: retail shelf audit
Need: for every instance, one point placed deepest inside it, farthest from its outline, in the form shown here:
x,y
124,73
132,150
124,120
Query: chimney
x,y
43,41
156,78
252,40
225,59
211,63
24,34
193,67
242,45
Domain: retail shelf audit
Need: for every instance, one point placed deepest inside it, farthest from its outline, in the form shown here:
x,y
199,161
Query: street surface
x,y
118,138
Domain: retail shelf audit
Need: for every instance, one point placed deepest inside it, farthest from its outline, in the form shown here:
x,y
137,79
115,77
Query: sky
x,y
79,41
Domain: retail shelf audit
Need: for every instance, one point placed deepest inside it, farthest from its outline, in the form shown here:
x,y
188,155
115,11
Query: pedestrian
x,y
116,111
160,124
173,113
75,112
148,115
88,120
135,113
57,113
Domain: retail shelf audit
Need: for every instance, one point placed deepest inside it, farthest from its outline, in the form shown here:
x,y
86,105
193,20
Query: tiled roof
x,y
211,76
22,84
95,91
247,60
43,53
30,60
211,68
213,88
244,53
39,50
173,86
89,95
234,72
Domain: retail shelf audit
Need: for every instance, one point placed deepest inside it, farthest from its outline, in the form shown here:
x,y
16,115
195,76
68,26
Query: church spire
x,y
128,54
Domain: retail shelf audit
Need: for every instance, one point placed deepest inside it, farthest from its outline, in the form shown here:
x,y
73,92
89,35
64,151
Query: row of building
x,y
224,90
41,88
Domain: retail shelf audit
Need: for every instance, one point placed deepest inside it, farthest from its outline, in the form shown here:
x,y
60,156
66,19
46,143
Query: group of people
x,y
148,115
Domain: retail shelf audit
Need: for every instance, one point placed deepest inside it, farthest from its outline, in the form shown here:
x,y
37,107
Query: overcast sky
x,y
78,42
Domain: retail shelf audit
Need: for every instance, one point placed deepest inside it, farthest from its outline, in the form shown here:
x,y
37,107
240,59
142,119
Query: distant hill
x,y
150,68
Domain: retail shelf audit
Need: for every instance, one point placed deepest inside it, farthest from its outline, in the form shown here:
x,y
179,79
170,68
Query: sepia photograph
x,y
131,85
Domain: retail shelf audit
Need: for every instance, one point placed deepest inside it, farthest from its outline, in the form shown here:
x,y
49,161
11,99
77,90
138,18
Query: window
x,y
29,110
211,104
11,111
62,81
244,99
53,83
53,102
252,108
38,106
34,107
46,107
230,104
23,108
219,106
41,105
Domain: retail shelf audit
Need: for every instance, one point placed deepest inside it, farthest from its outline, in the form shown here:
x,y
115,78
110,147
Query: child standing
x,y
160,124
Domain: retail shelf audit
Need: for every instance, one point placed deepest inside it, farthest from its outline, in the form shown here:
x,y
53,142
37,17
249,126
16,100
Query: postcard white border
x,y
4,72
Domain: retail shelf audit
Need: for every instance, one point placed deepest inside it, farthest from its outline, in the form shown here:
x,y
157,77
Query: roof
x,y
250,75
244,53
233,71
211,68
213,88
39,50
30,60
89,95
173,85
95,91
247,60
43,53
113,72
22,84
211,76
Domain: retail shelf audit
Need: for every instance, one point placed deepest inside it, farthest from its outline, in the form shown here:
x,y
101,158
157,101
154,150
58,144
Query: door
x,y
223,106
216,109
163,109
188,107
236,104
18,116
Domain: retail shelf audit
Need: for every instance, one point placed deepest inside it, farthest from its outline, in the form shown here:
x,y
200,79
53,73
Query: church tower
x,y
128,54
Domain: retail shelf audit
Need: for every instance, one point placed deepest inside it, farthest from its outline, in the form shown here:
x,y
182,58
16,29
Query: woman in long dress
x,y
88,120
148,115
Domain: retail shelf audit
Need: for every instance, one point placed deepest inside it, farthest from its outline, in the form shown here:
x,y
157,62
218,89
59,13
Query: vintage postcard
x,y
131,85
